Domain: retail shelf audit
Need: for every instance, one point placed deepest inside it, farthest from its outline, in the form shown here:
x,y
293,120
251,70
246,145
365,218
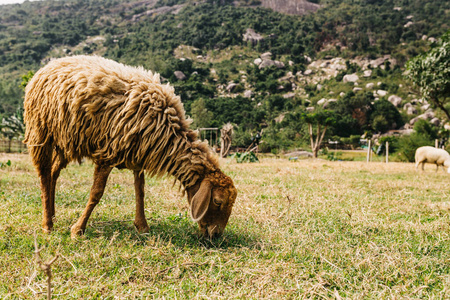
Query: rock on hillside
x,y
291,7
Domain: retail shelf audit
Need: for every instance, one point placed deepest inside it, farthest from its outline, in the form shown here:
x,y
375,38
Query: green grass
x,y
306,229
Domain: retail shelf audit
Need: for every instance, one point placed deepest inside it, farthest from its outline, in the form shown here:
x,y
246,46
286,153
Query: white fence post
x,y
387,152
369,150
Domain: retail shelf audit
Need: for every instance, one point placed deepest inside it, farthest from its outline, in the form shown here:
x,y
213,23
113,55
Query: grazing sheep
x,y
119,116
432,155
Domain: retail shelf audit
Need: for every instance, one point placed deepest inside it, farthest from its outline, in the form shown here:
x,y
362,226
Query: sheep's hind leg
x,y
59,163
98,187
140,222
42,159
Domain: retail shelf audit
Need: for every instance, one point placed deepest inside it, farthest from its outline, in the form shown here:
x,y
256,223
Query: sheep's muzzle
x,y
212,203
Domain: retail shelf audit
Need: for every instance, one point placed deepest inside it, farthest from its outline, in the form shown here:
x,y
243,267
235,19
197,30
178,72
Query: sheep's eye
x,y
217,202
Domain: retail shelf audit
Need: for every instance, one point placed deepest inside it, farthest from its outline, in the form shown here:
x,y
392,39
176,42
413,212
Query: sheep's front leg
x,y
140,222
98,187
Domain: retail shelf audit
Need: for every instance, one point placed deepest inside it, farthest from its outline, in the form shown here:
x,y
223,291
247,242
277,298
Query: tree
x,y
26,78
13,126
354,112
201,115
430,72
320,120
385,116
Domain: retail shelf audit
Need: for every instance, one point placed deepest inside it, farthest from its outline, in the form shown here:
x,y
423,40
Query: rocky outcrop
x,y
291,7
264,61
251,36
161,10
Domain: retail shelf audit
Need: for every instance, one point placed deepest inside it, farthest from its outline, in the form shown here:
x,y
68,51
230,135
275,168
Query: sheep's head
x,y
211,201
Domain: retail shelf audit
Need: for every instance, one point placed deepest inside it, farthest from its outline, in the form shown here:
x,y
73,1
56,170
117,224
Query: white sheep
x,y
432,155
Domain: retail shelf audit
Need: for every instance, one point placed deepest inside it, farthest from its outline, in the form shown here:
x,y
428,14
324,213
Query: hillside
x,y
241,62
291,7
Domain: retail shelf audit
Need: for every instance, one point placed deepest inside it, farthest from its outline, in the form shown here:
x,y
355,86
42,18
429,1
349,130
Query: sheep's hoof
x,y
142,228
47,227
76,232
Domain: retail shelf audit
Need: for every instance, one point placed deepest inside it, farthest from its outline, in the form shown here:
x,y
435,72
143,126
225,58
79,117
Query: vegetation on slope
x,y
215,54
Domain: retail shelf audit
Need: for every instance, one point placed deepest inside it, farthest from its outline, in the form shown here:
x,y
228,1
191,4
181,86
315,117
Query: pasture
x,y
305,229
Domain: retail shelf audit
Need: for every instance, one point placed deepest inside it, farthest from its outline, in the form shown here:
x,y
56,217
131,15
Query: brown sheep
x,y
119,116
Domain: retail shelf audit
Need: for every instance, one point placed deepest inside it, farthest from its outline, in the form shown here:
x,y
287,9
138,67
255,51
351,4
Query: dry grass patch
x,y
306,229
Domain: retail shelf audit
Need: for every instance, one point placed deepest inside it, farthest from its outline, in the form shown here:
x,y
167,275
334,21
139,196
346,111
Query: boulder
x,y
248,94
231,86
350,78
413,121
357,89
325,105
435,122
382,93
266,63
322,101
257,61
267,55
409,24
367,73
289,95
425,107
425,116
279,64
288,78
311,108
308,72
370,85
395,100
410,109
179,75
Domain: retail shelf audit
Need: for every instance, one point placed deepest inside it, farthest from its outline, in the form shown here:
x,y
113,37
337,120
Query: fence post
x,y
436,143
369,150
387,152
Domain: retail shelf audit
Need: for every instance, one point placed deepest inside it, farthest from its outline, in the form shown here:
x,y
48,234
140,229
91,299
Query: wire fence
x,y
12,146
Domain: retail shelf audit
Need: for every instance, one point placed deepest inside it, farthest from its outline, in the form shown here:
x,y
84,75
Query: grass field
x,y
305,229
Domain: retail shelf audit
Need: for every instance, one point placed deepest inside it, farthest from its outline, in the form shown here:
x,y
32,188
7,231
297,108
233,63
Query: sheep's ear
x,y
200,201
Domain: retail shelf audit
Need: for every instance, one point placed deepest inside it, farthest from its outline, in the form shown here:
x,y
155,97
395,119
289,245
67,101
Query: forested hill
x,y
215,52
